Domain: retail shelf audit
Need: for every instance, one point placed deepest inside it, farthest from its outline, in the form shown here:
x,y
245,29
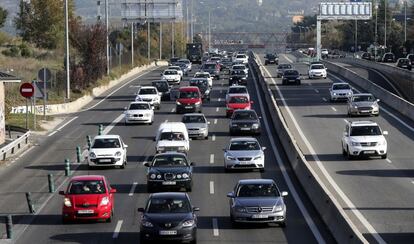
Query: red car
x,y
189,100
88,197
237,102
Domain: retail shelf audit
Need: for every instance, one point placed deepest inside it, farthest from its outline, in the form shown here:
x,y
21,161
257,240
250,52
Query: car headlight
x,y
198,103
178,103
188,223
178,176
349,93
118,154
234,125
230,158
158,177
148,114
186,176
355,144
92,155
67,202
382,143
255,126
153,176
277,208
181,148
203,129
104,201
146,223
138,99
257,158
241,209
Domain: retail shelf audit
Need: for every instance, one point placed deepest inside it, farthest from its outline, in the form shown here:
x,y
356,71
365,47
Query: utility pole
x,y
356,37
405,21
209,30
149,40
187,24
376,31
172,38
160,40
107,36
132,44
67,52
192,21
385,24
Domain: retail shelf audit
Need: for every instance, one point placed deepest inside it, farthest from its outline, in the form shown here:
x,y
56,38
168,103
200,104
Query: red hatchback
x,y
237,102
189,100
88,197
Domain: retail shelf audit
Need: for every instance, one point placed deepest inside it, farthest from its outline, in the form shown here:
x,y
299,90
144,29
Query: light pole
x,y
385,24
192,21
209,30
107,36
67,51
376,31
405,21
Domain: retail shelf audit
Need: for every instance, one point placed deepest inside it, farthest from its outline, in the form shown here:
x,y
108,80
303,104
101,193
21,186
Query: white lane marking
x,y
282,166
288,59
211,187
217,109
213,138
334,109
412,181
388,160
113,124
215,121
131,192
324,99
346,121
117,229
119,88
51,134
219,99
58,129
166,121
215,227
341,194
173,110
385,110
212,158
316,90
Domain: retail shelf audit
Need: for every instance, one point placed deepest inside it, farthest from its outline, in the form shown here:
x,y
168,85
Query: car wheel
x,y
142,239
376,115
349,156
343,150
298,82
227,170
349,114
123,165
65,220
158,107
90,167
189,188
206,138
109,220
384,156
261,170
150,189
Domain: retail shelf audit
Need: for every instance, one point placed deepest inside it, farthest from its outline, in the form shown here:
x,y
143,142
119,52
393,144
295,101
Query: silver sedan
x,y
363,104
244,153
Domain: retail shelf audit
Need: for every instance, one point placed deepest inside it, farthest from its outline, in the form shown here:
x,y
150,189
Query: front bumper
x,y
273,217
361,112
105,161
143,119
197,133
368,151
187,234
186,108
72,214
250,164
317,75
173,184
340,96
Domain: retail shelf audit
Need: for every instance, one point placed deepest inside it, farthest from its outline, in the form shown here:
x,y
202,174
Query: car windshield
x,y
198,83
363,99
186,61
149,91
239,67
161,86
317,66
189,94
270,56
209,66
244,115
244,146
235,90
170,72
241,56
291,72
194,119
238,72
365,131
86,187
139,106
169,161
106,143
258,190
168,205
284,66
341,87
175,68
202,75
172,136
238,100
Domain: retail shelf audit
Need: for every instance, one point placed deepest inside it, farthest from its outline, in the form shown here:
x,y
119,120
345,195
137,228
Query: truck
x,y
195,52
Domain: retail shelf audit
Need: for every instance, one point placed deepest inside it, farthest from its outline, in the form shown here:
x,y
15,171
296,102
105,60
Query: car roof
x,y
188,88
87,177
340,83
170,70
243,139
193,114
362,94
362,123
256,181
170,153
169,195
147,87
238,95
107,137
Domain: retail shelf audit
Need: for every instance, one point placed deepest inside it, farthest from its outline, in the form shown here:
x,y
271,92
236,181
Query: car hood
x,y
170,77
147,96
342,91
244,121
238,105
367,138
195,125
105,152
317,70
251,153
138,111
363,104
165,143
161,219
258,201
86,199
175,170
188,100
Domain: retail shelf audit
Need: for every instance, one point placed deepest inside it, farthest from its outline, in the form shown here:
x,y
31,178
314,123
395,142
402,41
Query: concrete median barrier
x,y
335,218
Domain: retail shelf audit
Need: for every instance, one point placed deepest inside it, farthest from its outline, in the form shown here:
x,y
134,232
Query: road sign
x,y
345,10
26,90
44,74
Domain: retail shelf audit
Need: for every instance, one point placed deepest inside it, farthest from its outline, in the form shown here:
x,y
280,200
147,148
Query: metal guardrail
x,y
16,144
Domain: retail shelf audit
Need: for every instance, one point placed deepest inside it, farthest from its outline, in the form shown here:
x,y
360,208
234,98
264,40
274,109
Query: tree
x,y
3,16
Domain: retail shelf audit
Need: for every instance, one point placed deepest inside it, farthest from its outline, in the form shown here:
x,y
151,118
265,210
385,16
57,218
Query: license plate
x,y
169,183
369,152
168,232
85,211
105,160
260,216
188,107
244,128
365,111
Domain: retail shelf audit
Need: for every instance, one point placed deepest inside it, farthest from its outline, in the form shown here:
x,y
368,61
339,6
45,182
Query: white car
x,y
150,95
204,75
236,89
240,67
317,71
340,91
364,138
107,150
188,63
241,58
171,76
178,68
139,112
244,153
172,136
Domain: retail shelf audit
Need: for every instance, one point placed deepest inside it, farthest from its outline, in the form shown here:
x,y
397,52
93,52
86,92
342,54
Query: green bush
x,y
12,52
25,51
4,38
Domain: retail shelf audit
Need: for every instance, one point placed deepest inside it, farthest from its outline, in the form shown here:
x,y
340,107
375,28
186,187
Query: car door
x,y
345,137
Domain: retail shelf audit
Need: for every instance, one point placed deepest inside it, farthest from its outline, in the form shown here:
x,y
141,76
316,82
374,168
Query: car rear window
x,y
106,143
170,72
209,66
235,90
341,87
86,187
291,72
363,98
317,66
172,136
284,66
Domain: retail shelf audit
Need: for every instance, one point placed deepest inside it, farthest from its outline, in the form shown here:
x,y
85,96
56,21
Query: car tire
x,y
158,107
189,188
261,170
65,221
123,165
206,138
90,167
298,83
343,150
384,156
227,170
109,220
150,189
142,240
349,114
349,156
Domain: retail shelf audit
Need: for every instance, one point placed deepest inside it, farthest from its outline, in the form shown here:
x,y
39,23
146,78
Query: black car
x,y
366,56
169,170
388,58
244,121
163,87
226,63
290,76
168,216
404,63
281,69
173,61
202,84
271,59
238,77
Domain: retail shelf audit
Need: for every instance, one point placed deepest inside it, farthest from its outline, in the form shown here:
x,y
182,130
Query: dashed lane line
x,y
117,229
215,227
334,109
211,187
211,158
131,192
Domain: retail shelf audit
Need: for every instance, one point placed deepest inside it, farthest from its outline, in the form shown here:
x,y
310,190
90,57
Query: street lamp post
x,y
405,21
67,52
209,30
385,24
376,31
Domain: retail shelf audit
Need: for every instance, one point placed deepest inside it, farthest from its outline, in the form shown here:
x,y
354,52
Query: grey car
x,y
363,104
244,121
281,69
244,153
257,201
197,125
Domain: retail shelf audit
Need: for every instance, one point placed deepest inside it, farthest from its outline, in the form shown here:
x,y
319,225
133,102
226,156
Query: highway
x,y
376,194
211,183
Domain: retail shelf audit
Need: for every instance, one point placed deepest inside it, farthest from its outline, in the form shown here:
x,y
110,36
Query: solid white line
x,y
282,166
412,181
385,110
316,90
51,134
117,229
341,194
388,160
58,129
211,187
217,109
131,192
215,121
212,158
215,227
287,58
324,99
113,124
334,109
213,138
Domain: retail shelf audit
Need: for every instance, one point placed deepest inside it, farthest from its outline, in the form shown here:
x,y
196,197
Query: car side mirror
x,y
378,100
230,195
112,190
192,164
159,94
125,108
224,150
146,164
264,148
208,122
196,209
284,193
126,146
385,132
141,210
161,74
260,117
61,192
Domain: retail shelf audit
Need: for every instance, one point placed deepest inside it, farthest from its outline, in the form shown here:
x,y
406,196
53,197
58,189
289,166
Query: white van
x,y
172,136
